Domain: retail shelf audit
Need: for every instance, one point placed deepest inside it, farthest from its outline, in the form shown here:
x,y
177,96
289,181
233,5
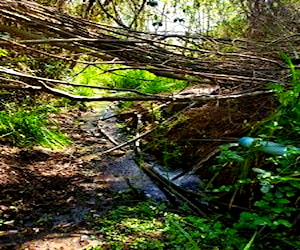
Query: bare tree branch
x,y
178,98
15,73
146,97
72,40
138,13
253,63
116,19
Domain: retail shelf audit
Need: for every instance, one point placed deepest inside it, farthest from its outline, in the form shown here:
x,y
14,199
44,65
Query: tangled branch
x,y
30,26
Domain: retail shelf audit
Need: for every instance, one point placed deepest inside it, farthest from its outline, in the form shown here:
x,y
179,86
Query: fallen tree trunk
x,y
30,26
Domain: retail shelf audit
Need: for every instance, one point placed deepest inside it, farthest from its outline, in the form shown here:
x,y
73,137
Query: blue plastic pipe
x,y
267,147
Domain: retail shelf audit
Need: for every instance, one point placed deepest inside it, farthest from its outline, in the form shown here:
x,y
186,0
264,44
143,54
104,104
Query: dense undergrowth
x,y
260,205
28,123
264,187
140,80
263,195
150,226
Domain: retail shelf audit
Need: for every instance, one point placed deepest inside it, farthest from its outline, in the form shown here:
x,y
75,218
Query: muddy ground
x,y
46,195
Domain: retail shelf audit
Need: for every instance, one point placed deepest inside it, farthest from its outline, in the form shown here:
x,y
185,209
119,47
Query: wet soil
x,y
46,195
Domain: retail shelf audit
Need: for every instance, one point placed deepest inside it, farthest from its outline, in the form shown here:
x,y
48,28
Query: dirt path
x,y
48,199
46,196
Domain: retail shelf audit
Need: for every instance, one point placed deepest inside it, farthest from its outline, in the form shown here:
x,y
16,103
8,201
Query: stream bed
x,y
123,172
51,199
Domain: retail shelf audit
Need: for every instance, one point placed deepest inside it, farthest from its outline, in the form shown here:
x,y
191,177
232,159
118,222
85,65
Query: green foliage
x,y
25,126
149,226
41,66
229,155
140,80
275,178
137,227
284,125
91,75
145,82
170,153
125,105
3,52
233,27
192,232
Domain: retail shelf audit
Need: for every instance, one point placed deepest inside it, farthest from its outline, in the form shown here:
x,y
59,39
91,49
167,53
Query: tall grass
x,y
27,127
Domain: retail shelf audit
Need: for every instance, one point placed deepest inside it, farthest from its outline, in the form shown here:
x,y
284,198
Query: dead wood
x,y
105,134
41,84
253,63
174,190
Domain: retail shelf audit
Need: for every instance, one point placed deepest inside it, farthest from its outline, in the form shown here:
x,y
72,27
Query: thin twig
x,y
103,132
173,189
199,165
149,131
16,73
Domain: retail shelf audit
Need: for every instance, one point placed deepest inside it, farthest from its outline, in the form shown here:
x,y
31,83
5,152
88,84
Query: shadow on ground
x,y
56,195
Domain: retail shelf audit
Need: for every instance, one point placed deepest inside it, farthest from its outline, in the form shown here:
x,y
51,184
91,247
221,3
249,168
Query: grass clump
x,y
24,126
136,227
154,226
